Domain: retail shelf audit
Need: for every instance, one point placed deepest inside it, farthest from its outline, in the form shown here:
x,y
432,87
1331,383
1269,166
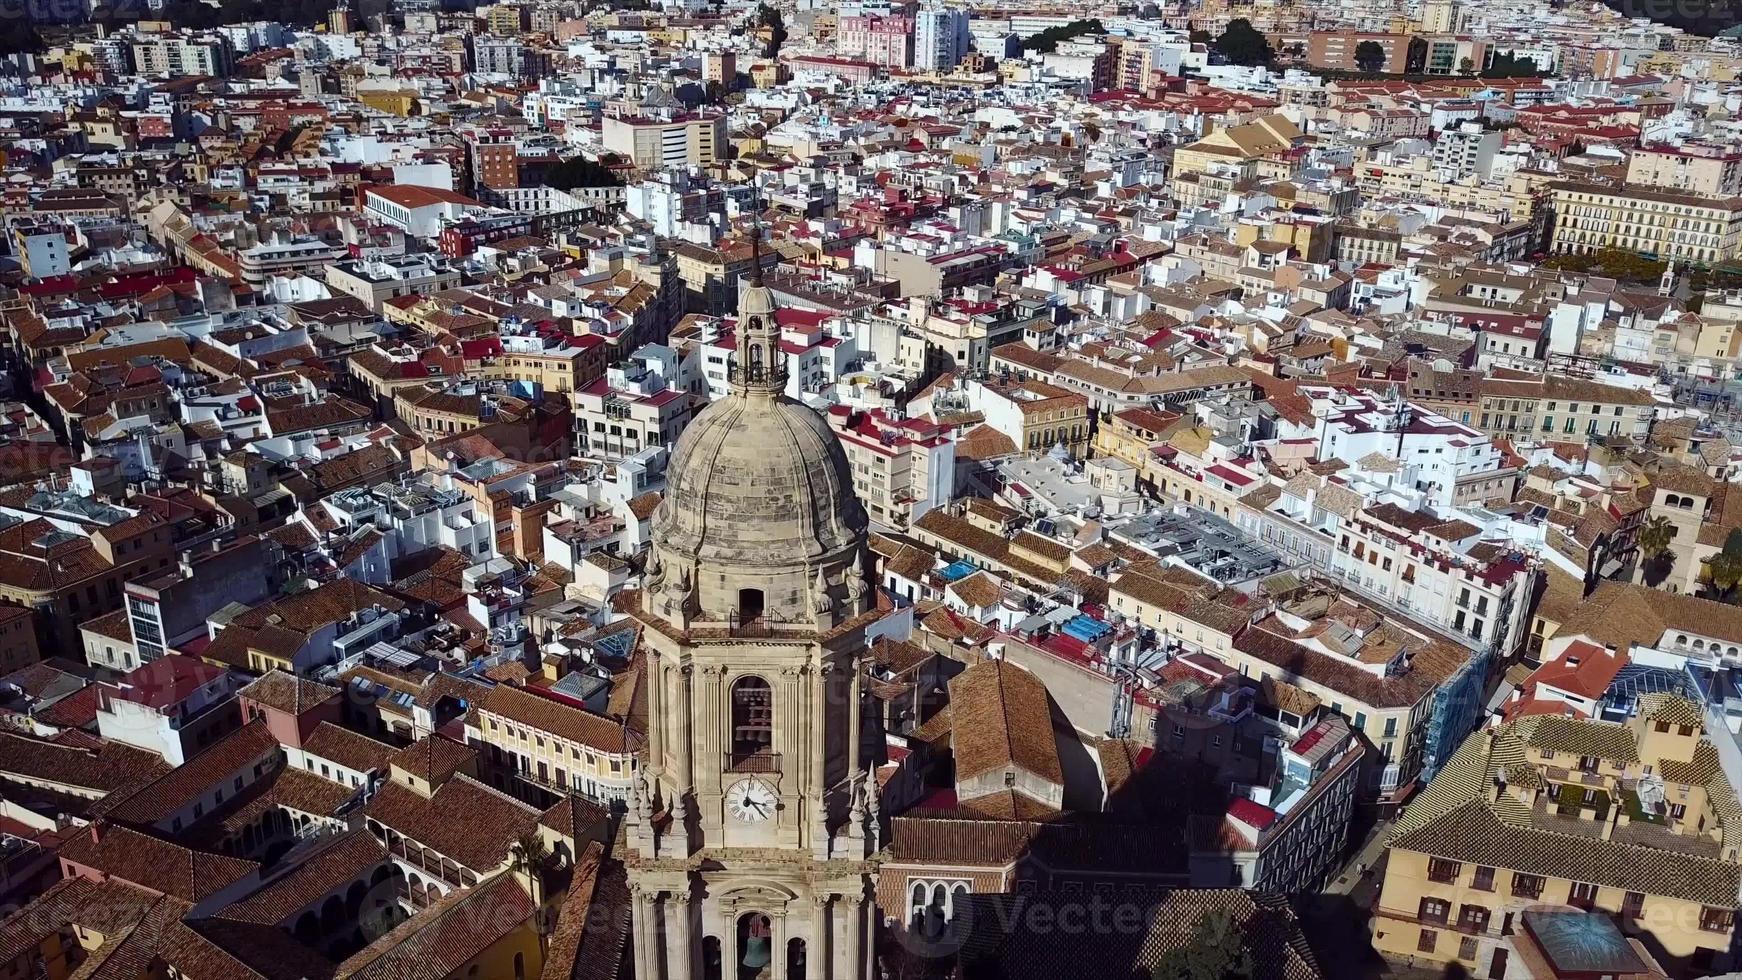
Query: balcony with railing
x,y
432,863
757,761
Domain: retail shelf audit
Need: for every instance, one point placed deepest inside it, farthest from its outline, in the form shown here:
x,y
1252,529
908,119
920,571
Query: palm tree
x,y
529,853
1655,537
1723,571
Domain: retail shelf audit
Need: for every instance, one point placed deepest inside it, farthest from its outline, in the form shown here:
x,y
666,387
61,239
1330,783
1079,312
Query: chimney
x,y
99,827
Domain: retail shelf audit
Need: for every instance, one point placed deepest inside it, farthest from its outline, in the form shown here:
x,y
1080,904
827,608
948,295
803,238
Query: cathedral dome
x,y
759,522
758,482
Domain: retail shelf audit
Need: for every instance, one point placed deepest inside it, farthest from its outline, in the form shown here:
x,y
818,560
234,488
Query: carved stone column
x,y
645,929
681,948
816,948
686,779
853,720
656,712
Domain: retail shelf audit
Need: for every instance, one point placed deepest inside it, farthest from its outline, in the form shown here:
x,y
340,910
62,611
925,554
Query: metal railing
x,y
757,761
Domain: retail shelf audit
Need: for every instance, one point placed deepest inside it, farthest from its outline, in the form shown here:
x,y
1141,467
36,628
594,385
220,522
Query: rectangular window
x,y
1435,910
1582,895
1427,941
1468,948
1717,920
1526,886
1443,871
1484,879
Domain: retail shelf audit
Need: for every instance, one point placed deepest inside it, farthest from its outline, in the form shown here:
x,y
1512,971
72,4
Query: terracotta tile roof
x,y
168,794
1007,804
215,947
437,942
978,590
1670,709
1473,833
1298,661
1604,740
292,889
481,842
433,758
286,692
556,718
1002,717
911,562
1458,817
154,863
347,748
109,767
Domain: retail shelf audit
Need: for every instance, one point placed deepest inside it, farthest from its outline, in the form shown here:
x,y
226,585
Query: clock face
x,y
751,800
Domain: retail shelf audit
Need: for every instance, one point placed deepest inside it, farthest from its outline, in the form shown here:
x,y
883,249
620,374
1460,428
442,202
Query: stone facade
x,y
753,823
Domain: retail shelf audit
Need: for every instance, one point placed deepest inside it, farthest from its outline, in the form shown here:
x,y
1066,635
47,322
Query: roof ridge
x,y
496,792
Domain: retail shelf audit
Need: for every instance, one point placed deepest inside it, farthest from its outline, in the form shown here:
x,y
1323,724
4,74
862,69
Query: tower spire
x,y
761,367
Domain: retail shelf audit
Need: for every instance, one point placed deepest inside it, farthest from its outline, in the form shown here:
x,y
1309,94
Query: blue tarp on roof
x,y
1086,629
958,570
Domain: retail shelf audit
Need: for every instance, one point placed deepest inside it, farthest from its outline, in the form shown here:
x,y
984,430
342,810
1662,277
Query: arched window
x,y
752,716
1687,503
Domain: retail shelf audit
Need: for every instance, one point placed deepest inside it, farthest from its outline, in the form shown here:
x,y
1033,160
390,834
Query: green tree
x,y
1656,560
1724,569
771,18
1047,41
1241,44
530,854
1504,65
1217,951
1655,536
1370,57
1466,66
580,172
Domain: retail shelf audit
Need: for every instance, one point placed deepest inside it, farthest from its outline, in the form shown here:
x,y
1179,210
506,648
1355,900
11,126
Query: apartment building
x,y
174,706
1632,823
1337,50
538,358
887,41
71,576
691,139
527,740
1663,224
628,410
285,256
940,38
377,280
1560,406
1384,677
1702,169
902,467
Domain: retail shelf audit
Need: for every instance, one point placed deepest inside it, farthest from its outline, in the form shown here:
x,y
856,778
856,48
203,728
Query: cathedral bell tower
x,y
753,818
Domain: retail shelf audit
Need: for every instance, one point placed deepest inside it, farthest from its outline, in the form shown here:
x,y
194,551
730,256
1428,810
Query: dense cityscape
x,y
710,490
